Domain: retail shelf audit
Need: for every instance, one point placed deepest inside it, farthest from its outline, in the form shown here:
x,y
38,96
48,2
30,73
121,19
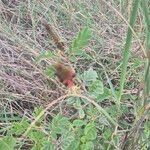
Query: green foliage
x,y
90,131
60,125
87,146
81,113
90,75
73,135
7,142
96,88
80,41
67,138
44,55
36,112
77,104
91,112
48,145
78,123
38,138
77,45
90,134
95,85
105,95
50,71
18,128
107,134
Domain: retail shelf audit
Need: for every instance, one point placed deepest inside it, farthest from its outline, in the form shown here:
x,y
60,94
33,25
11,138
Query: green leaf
x,y
50,72
87,146
81,113
77,103
112,110
107,133
53,135
36,112
36,146
74,145
44,55
71,100
67,139
37,136
96,88
106,95
7,143
78,123
19,127
80,41
83,139
48,145
90,75
60,124
92,111
90,131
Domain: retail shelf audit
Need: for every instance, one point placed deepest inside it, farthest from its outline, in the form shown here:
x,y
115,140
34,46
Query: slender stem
x,y
145,9
127,48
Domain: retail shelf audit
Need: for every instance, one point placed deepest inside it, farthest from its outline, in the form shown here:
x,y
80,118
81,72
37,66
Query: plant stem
x,y
127,48
145,9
